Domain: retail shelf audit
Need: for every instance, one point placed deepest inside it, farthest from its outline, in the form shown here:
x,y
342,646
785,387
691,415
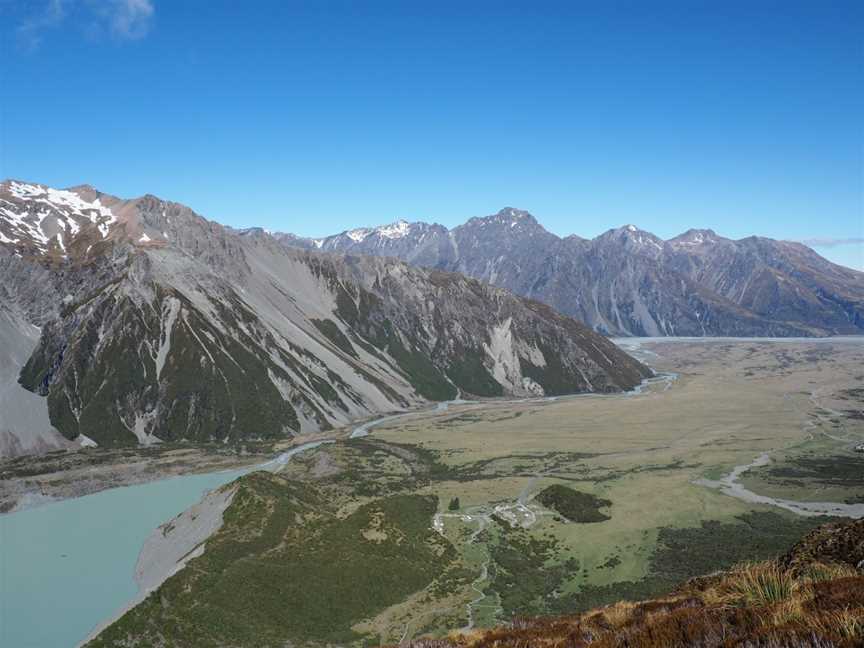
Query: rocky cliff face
x,y
157,324
628,281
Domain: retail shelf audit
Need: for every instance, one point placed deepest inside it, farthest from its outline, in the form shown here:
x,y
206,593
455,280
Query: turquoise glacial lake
x,y
67,566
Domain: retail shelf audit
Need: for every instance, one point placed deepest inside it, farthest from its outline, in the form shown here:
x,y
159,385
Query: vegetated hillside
x,y
341,548
157,324
630,282
302,561
811,597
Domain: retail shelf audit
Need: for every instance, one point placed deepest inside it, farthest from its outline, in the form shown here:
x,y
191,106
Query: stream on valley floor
x,y
73,560
68,565
729,485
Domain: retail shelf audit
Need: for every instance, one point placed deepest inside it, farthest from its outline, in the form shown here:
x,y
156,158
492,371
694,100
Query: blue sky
x,y
745,117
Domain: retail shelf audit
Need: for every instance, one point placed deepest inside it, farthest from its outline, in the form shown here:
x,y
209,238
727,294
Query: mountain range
x,y
629,282
139,321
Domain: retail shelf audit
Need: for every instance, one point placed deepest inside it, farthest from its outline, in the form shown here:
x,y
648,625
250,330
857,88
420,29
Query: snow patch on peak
x,y
394,230
638,237
512,212
6,239
67,203
358,235
24,190
695,237
513,216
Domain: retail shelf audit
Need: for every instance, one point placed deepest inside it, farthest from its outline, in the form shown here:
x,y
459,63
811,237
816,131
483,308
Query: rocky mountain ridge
x,y
158,325
630,282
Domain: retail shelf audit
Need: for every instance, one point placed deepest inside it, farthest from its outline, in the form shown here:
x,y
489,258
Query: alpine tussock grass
x,y
754,605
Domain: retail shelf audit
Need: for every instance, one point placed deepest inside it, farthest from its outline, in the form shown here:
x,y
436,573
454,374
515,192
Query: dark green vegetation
x,y
423,375
363,311
525,572
572,504
285,567
368,467
453,505
682,554
330,329
211,387
813,597
437,370
336,538
136,352
421,372
469,372
843,470
341,535
554,377
531,575
454,579
524,465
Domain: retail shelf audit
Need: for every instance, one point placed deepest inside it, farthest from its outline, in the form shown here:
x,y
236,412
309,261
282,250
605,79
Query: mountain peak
x,y
694,237
630,229
513,216
394,230
88,188
359,234
509,217
512,212
631,232
39,220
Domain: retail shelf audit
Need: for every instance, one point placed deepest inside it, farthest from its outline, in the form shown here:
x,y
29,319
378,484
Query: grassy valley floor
x,y
466,517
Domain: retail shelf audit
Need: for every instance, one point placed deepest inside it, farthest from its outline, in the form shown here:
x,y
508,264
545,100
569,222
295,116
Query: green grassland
x,y
819,469
640,455
824,466
563,505
573,505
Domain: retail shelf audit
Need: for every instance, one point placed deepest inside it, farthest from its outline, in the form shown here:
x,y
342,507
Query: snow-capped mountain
x,y
39,220
417,243
630,282
150,323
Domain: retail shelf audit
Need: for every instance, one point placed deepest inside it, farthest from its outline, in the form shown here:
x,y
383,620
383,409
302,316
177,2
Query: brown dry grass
x,y
755,605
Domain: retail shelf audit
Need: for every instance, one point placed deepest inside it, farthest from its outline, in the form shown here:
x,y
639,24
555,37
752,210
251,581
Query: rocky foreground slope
x,y
812,597
628,281
155,324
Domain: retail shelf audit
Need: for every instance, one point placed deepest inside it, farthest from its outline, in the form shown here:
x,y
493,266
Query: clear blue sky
x,y
314,117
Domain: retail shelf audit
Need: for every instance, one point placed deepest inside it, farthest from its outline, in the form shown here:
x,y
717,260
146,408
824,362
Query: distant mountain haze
x,y
628,281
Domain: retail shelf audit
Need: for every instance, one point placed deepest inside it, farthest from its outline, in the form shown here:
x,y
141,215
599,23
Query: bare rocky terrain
x,y
630,282
157,325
